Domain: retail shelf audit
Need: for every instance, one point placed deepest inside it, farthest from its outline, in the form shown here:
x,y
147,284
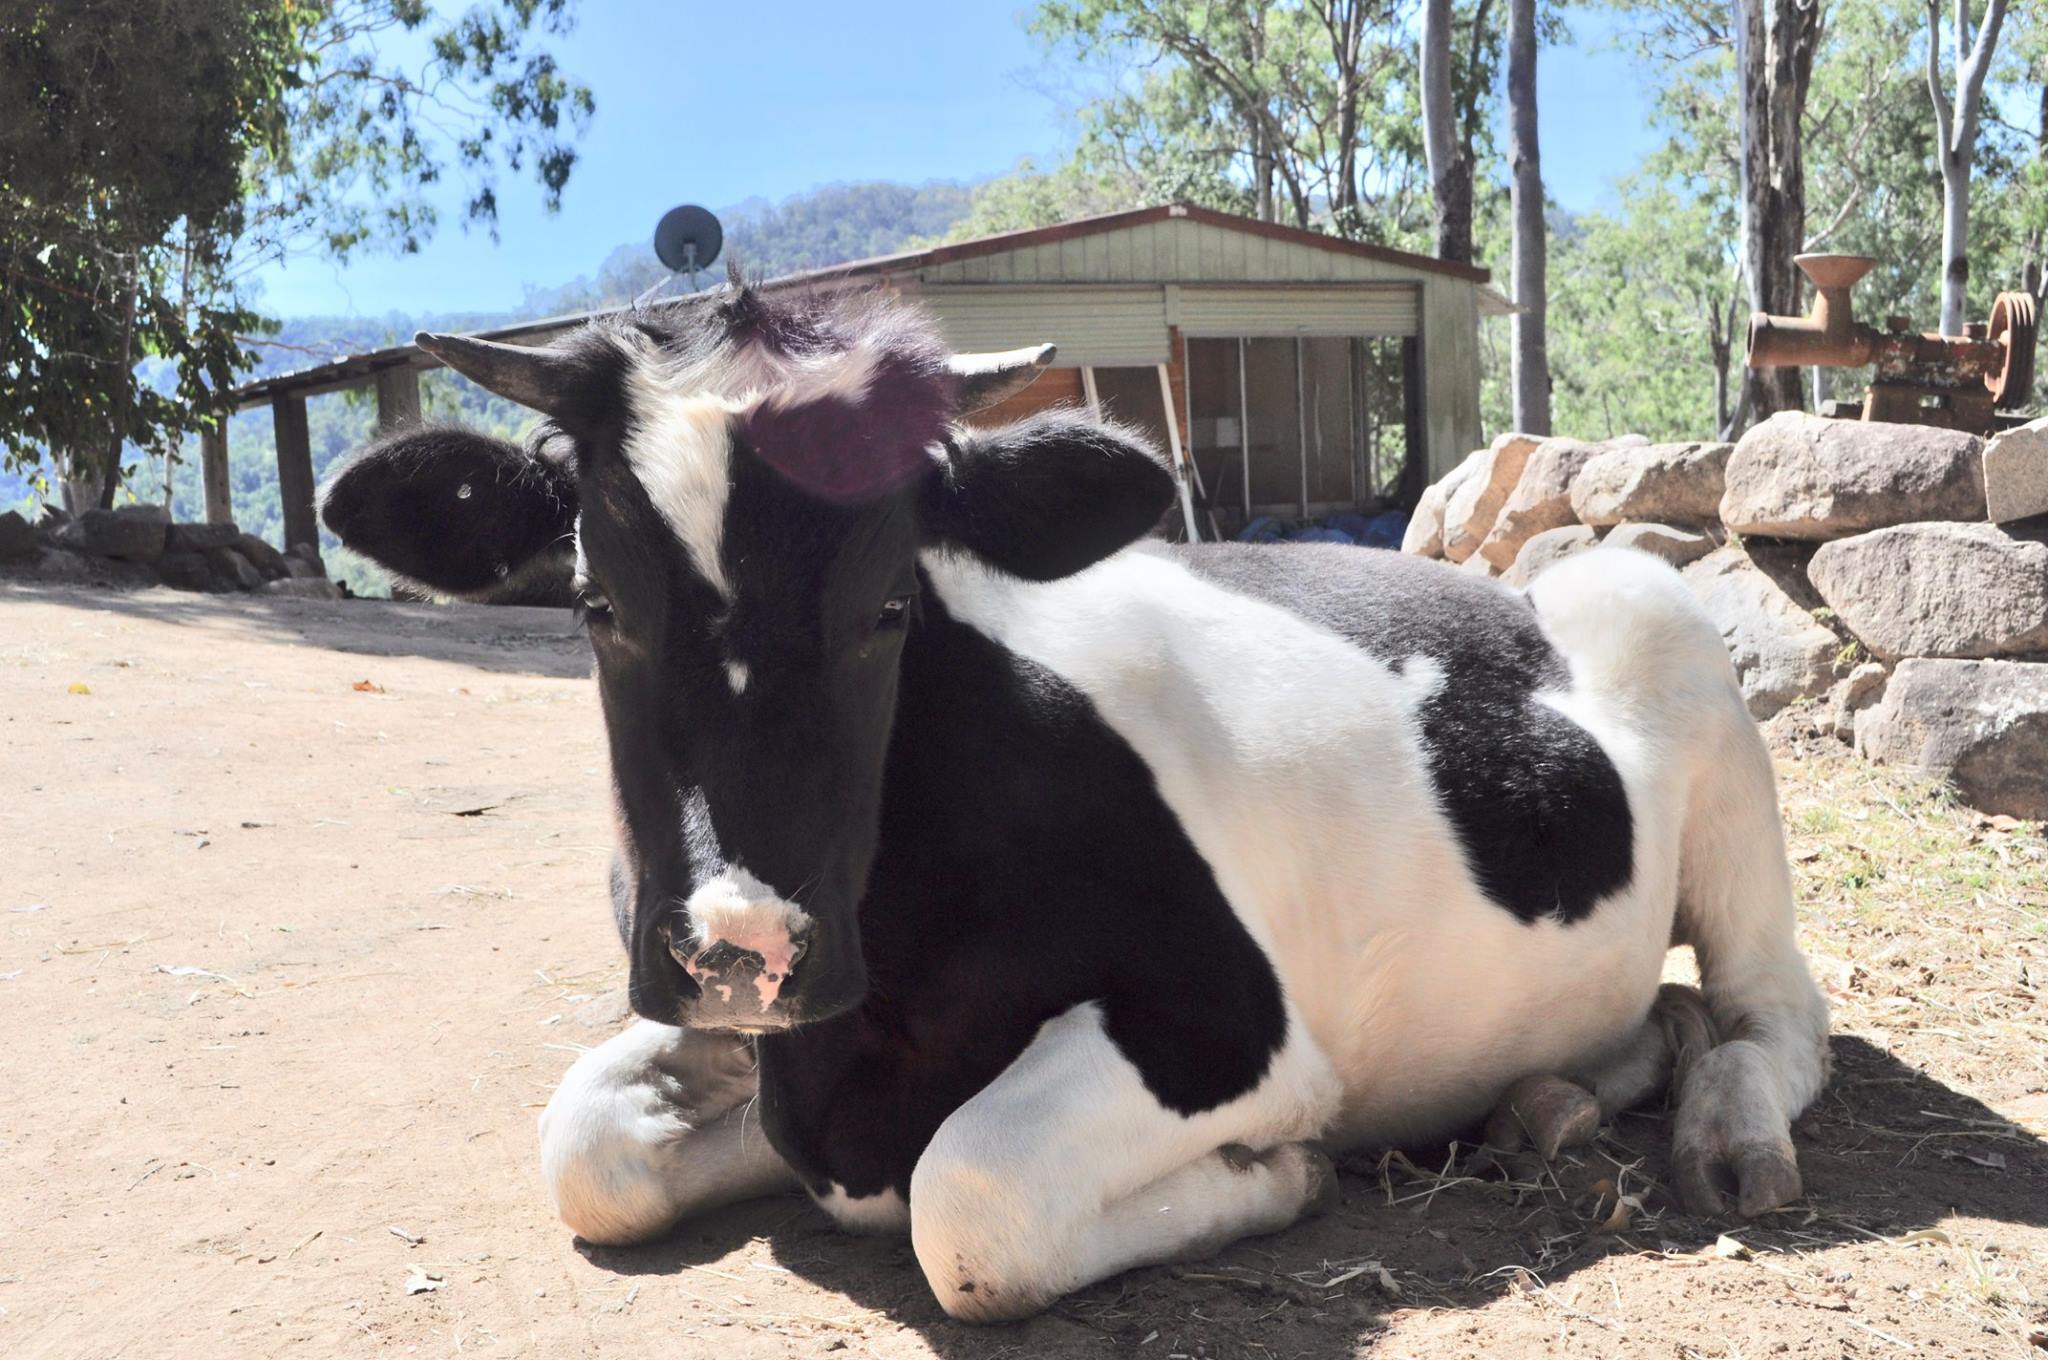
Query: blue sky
x,y
717,103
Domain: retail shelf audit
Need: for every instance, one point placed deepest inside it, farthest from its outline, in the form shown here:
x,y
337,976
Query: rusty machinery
x,y
1958,382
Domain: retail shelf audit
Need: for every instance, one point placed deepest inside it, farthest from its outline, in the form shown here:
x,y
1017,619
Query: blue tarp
x,y
1383,530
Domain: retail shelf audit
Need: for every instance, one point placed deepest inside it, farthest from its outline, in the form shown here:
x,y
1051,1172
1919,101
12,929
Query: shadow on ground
x,y
508,639
1887,1150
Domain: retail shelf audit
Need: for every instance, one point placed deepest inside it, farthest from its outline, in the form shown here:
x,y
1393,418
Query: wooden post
x,y
213,473
294,470
398,398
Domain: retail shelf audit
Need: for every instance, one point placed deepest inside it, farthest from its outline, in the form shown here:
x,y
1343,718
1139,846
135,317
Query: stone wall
x,y
1891,579
138,546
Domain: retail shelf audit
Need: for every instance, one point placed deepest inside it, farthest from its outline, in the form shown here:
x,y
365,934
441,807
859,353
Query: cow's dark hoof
x,y
1761,1177
1550,1113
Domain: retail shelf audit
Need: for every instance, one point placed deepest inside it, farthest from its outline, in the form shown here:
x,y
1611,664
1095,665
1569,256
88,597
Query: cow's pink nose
x,y
741,980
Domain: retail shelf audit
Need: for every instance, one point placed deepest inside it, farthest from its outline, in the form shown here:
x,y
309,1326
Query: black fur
x,y
1045,497
454,510
1026,864
1539,809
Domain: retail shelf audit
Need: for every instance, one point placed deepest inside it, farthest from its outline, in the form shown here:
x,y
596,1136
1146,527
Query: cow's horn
x,y
986,379
534,377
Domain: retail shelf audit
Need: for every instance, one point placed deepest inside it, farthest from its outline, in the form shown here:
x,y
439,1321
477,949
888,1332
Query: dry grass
x,y
1926,922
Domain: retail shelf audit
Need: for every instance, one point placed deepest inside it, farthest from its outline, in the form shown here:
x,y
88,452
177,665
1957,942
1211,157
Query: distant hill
x,y
829,225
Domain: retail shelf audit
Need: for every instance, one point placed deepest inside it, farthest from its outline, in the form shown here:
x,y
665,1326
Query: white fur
x,y
652,1125
881,1214
680,447
1295,763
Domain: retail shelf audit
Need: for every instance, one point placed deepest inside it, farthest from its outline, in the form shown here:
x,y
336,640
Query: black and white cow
x,y
1059,893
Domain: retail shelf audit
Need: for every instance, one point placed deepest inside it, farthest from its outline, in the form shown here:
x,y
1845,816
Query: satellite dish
x,y
688,239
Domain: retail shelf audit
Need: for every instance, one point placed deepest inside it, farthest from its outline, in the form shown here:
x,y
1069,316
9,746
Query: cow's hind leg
x,y
1736,1102
653,1125
1066,1170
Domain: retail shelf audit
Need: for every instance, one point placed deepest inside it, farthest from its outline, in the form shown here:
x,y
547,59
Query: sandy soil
x,y
301,917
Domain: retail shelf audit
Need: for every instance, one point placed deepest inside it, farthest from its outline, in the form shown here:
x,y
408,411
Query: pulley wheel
x,y
2016,322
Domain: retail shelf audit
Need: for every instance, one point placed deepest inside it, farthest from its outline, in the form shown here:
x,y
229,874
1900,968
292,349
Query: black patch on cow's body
x,y
1027,864
1538,808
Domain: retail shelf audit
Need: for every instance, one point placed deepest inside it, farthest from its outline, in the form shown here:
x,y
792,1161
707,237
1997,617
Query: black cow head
x,y
747,488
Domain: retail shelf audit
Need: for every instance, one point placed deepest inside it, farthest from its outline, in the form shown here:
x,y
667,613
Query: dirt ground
x,y
302,916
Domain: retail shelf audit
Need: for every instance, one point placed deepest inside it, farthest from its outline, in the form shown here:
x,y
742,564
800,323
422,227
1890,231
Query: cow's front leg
x,y
1066,1170
651,1126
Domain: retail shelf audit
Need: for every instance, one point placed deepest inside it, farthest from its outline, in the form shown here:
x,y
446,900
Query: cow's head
x,y
747,488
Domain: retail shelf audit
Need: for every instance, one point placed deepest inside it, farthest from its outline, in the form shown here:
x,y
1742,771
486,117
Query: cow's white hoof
x,y
1549,1112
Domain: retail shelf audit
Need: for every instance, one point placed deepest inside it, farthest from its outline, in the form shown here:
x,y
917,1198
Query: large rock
x,y
1853,693
1802,476
1676,546
1425,533
1656,483
18,541
2016,473
1982,725
63,565
115,533
304,588
1473,507
186,570
303,560
1541,501
260,555
197,537
1781,652
1939,589
232,571
1547,549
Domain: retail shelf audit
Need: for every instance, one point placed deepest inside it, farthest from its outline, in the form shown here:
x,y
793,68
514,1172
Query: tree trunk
x,y
1775,41
1450,174
110,478
1957,149
1530,360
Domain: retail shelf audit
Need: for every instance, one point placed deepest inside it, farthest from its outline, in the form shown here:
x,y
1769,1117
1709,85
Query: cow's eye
x,y
592,606
894,611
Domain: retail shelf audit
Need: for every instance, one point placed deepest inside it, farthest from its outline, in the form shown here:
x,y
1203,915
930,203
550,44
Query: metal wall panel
x,y
1102,326
1338,309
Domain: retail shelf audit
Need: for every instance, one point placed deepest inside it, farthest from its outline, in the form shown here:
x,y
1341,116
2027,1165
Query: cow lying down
x,y
992,874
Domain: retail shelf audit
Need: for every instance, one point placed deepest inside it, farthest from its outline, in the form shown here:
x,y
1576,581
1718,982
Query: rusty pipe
x,y
1829,335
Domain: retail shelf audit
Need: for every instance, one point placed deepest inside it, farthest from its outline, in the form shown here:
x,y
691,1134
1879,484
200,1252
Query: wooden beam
x,y
398,398
213,473
295,471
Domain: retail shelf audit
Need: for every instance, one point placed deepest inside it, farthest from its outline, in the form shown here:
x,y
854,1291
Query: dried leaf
x,y
1728,1249
79,687
367,687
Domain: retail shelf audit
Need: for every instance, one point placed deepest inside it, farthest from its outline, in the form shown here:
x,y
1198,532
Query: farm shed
x,y
1290,374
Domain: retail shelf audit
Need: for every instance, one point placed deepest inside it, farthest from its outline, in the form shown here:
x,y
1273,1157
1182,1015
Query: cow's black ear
x,y
1047,496
456,511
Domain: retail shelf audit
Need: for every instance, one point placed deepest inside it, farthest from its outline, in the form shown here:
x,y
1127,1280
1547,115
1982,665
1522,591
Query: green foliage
x,y
154,152
1305,113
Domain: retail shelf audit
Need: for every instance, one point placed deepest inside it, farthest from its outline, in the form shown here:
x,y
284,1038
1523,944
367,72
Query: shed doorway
x,y
1297,429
